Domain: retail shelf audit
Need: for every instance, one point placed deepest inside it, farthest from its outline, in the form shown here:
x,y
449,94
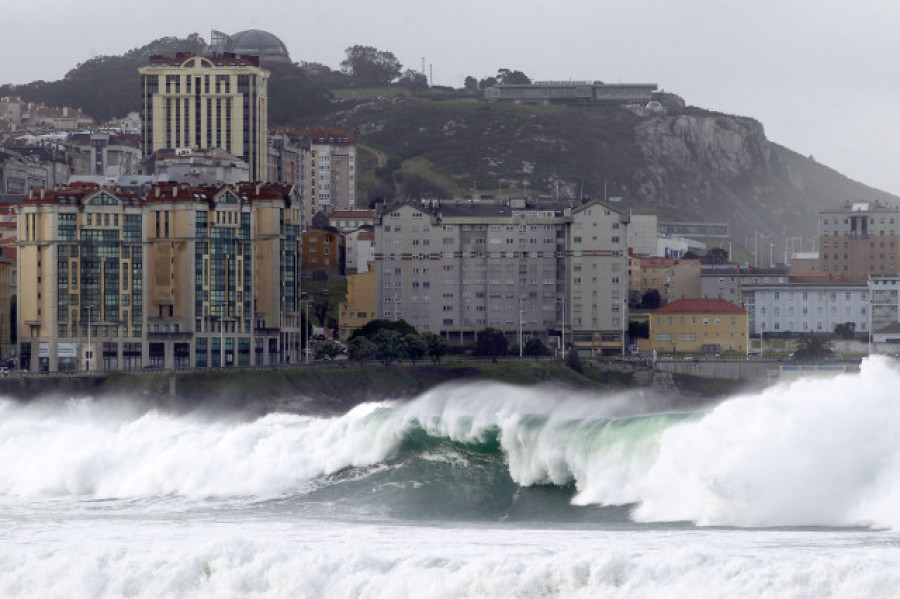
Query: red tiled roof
x,y
700,306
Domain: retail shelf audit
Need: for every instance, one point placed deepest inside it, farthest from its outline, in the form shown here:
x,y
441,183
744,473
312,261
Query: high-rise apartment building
x,y
181,277
218,101
859,239
531,269
329,170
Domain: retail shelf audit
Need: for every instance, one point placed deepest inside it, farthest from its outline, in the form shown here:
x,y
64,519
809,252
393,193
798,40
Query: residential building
x,y
724,281
359,308
642,234
219,101
859,239
810,307
673,279
182,277
324,254
105,154
529,268
286,154
328,170
360,250
699,325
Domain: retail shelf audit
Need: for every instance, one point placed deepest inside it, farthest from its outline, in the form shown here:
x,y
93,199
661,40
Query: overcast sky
x,y
821,75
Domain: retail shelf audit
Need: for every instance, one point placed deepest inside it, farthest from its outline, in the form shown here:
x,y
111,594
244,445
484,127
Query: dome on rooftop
x,y
256,42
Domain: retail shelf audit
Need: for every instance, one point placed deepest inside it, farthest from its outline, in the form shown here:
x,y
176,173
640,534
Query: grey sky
x,y
820,74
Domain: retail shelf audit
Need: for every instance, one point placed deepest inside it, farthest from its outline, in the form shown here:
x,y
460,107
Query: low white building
x,y
806,307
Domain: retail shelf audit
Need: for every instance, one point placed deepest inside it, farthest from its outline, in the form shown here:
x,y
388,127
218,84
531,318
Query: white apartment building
x,y
806,307
456,267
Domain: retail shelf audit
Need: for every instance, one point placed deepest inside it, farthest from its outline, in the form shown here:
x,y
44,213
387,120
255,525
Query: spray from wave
x,y
816,452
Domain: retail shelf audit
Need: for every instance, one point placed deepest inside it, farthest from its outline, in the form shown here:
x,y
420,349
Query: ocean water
x,y
466,491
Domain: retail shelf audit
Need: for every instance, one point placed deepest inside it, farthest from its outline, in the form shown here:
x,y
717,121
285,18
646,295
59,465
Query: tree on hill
x,y
414,81
487,82
369,66
470,83
293,98
416,187
509,77
105,87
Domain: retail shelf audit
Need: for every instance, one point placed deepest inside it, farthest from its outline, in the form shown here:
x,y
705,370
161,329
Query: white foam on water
x,y
297,560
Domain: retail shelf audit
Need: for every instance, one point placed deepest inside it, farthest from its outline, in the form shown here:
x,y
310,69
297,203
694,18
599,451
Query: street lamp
x,y
89,352
624,310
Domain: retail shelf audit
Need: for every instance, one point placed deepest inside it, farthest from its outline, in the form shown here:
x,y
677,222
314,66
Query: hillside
x,y
689,164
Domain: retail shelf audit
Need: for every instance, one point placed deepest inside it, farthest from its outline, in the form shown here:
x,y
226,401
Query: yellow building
x,y
360,305
699,325
218,101
182,277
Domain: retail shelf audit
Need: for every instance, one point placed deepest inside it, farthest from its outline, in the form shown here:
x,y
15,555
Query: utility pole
x,y
520,325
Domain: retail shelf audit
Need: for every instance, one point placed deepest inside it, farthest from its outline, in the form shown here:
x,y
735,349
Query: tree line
x,y
388,341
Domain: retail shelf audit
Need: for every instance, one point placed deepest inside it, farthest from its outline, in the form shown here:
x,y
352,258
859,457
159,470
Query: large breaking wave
x,y
816,452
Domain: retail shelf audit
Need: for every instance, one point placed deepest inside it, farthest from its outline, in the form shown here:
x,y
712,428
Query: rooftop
x,y
700,306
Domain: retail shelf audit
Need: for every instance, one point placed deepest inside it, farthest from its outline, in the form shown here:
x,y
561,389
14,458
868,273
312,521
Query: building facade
x,y
529,269
642,234
699,325
323,253
859,239
359,308
182,277
816,307
725,281
672,279
220,101
328,170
